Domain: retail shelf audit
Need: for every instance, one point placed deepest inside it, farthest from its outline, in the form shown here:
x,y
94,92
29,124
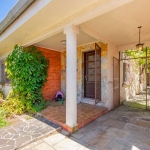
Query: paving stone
x,y
114,123
21,134
65,133
79,141
8,147
92,137
11,142
4,133
101,119
68,144
112,116
102,142
135,129
42,146
30,128
103,127
8,136
3,141
22,140
134,121
115,133
144,123
91,148
92,126
137,143
13,131
115,145
31,145
53,139
81,132
124,119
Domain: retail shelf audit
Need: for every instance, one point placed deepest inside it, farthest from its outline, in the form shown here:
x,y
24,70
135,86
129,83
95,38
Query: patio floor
x,y
85,114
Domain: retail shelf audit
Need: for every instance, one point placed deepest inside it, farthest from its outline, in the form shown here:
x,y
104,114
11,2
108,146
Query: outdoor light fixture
x,y
63,42
139,46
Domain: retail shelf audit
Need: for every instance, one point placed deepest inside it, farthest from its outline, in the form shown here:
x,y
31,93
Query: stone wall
x,y
80,69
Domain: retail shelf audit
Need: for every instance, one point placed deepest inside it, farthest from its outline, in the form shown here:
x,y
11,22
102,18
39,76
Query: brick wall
x,y
52,84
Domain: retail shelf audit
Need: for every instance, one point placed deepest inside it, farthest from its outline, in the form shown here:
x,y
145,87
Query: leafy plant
x,y
1,94
140,57
3,120
1,90
27,69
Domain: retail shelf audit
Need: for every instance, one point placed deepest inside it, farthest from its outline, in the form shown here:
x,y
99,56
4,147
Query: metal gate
x,y
143,55
116,82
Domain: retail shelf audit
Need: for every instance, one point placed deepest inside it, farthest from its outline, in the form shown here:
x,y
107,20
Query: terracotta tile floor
x,y
85,114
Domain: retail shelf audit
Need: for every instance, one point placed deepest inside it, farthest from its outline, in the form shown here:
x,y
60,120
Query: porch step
x,y
57,114
91,102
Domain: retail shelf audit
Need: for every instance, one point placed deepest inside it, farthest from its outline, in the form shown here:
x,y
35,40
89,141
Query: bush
x,y
3,120
27,70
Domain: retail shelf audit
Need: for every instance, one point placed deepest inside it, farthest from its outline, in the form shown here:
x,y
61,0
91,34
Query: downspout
x,y
14,14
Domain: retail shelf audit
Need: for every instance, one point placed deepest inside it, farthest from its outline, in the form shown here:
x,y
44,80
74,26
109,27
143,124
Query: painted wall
x,y
129,90
112,52
104,70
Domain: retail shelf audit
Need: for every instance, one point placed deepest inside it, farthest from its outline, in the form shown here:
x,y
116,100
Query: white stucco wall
x,y
112,52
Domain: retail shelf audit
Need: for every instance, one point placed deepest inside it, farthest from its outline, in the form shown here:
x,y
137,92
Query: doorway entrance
x,y
92,74
135,69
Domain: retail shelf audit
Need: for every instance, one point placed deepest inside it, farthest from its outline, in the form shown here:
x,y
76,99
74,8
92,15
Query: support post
x,y
146,80
71,75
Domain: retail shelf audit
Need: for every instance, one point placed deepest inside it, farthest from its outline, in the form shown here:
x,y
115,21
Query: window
x,y
4,78
127,76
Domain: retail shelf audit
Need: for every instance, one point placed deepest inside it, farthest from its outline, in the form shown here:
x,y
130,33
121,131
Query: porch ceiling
x,y
46,18
54,42
120,25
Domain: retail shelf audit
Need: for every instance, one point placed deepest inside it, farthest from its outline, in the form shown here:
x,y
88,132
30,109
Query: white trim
x,y
32,10
47,48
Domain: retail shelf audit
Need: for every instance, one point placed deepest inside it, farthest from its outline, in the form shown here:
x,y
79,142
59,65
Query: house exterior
x,y
94,31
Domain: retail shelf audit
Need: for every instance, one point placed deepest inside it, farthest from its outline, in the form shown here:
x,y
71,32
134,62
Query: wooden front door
x,y
92,74
89,74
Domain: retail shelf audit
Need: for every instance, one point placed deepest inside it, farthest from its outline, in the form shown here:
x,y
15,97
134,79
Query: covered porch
x,y
112,25
85,114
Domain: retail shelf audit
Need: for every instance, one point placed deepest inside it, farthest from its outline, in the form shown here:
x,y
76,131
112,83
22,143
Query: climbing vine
x,y
27,70
140,57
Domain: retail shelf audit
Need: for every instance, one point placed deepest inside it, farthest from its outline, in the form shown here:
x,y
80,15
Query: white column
x,y
71,75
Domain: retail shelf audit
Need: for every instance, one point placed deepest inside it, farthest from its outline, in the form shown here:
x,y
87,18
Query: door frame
x,y
95,50
85,69
114,98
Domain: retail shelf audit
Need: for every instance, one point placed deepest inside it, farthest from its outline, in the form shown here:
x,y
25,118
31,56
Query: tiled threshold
x,y
86,114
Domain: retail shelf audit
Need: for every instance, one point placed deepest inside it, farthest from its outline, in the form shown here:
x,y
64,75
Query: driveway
x,y
123,129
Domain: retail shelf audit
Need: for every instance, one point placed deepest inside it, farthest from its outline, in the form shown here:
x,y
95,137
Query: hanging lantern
x,y
139,46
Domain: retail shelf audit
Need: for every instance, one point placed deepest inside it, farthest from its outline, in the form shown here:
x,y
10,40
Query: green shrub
x,y
3,120
1,94
27,70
